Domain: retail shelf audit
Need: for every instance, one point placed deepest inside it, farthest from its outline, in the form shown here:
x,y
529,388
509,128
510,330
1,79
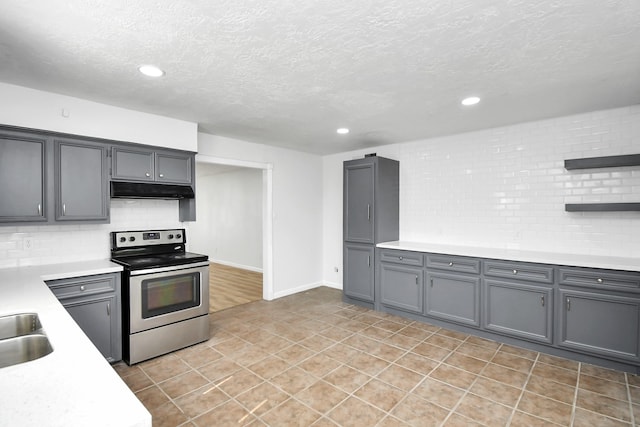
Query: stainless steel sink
x,y
19,324
23,349
22,339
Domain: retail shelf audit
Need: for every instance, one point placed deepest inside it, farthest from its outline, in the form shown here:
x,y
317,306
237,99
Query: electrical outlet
x,y
27,243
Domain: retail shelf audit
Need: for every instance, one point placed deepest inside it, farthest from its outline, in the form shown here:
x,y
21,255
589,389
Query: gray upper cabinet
x,y
138,164
173,167
359,198
454,297
132,164
22,177
520,310
600,324
358,271
81,181
371,200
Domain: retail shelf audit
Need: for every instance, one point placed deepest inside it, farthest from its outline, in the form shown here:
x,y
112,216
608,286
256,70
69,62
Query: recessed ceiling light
x,y
342,131
472,100
151,71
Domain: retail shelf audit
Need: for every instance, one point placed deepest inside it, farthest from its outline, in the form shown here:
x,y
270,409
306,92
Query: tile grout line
x,y
524,387
575,396
631,415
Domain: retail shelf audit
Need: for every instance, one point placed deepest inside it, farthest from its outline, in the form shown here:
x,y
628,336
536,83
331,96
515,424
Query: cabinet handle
x,y
369,260
108,309
368,212
515,271
599,280
416,279
450,264
400,258
431,283
64,209
568,304
147,174
161,175
39,209
542,300
82,288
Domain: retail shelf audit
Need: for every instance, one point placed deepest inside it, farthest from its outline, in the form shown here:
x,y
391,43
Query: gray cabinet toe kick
x,y
586,314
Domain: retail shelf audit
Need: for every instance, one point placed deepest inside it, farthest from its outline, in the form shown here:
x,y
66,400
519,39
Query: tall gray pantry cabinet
x,y
371,198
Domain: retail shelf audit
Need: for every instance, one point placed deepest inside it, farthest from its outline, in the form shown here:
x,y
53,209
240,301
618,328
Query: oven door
x,y
166,295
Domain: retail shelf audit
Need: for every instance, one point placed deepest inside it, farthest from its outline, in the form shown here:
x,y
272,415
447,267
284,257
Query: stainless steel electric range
x,y
165,292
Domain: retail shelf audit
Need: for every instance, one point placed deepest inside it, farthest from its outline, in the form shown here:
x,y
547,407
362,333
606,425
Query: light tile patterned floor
x,y
310,359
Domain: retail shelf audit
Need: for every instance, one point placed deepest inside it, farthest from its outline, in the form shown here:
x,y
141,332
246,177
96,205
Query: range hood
x,y
143,190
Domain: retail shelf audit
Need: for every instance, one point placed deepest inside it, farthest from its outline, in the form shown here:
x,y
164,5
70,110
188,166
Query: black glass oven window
x,y
168,294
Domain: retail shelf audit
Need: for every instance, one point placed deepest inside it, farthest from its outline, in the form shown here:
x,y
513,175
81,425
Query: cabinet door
x,y
602,324
454,297
519,310
132,164
173,167
22,178
81,182
97,317
358,272
359,203
401,287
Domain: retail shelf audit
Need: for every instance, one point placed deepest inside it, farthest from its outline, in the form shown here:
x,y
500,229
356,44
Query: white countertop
x,y
74,385
575,260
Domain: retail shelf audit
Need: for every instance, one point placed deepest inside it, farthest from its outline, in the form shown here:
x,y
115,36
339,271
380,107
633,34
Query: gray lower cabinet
x,y
139,164
454,297
94,303
359,271
81,181
22,177
519,310
600,323
401,287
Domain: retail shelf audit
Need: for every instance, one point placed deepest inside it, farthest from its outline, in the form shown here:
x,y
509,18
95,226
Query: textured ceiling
x,y
289,72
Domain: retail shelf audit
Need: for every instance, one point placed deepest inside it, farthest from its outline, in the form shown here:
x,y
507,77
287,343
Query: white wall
x,y
20,106
506,187
54,244
297,208
229,215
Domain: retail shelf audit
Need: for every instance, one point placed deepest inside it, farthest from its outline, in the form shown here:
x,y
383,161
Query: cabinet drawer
x,y
402,257
81,286
519,271
599,278
453,263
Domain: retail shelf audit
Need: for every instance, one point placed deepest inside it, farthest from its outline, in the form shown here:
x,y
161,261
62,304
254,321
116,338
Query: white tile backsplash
x,y
67,243
506,187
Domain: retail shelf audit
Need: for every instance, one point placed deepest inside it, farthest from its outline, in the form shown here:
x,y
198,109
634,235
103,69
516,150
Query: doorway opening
x,y
234,227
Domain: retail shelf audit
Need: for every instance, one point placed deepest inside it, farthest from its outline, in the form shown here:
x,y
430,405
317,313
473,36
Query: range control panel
x,y
129,239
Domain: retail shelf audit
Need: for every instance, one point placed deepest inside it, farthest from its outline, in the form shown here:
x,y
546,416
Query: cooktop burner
x,y
159,260
137,250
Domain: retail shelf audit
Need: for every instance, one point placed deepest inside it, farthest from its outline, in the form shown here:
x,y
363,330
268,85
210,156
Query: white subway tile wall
x,y
52,244
507,187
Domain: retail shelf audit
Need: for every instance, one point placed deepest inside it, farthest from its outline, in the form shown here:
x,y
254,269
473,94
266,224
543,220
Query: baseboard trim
x,y
306,287
236,265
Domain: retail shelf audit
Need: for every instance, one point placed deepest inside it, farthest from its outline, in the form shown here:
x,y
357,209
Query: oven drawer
x,y
82,286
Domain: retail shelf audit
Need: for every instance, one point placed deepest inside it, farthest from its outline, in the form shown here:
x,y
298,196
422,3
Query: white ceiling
x,y
289,72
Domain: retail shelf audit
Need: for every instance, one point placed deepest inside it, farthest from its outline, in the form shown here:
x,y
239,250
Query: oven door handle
x,y
171,268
